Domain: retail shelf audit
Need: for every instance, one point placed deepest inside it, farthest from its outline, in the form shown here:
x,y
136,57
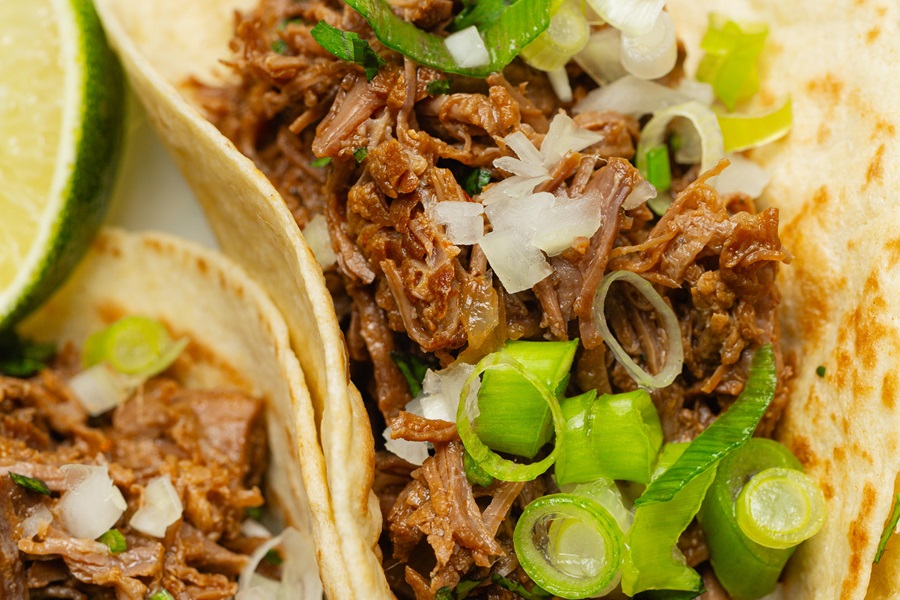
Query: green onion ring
x,y
540,564
779,508
484,457
674,351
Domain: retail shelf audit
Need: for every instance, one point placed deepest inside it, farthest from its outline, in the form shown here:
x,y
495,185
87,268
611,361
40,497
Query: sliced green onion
x,y
730,431
161,594
705,123
476,180
513,415
569,545
444,593
439,86
114,540
659,173
360,154
730,62
273,557
321,162
674,351
475,474
133,346
501,468
280,46
653,561
348,46
480,13
565,37
517,25
889,529
413,369
254,512
613,437
779,508
741,132
745,569
535,593
23,358
463,588
30,483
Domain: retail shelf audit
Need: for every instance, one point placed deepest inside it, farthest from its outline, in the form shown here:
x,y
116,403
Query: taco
x,y
418,285
142,447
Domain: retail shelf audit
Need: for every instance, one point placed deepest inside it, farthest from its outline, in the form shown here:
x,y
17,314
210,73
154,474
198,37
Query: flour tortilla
x,y
833,179
237,339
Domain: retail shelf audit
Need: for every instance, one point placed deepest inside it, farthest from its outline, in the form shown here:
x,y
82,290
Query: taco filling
x,y
119,483
549,281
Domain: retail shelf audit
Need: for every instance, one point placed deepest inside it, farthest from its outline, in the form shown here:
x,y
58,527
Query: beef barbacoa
x,y
400,285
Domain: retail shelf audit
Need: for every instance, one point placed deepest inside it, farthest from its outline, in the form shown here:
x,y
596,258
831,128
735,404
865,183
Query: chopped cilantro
x,y
439,86
348,46
360,154
476,180
445,593
254,512
22,358
280,46
820,370
535,593
889,528
30,483
273,557
462,590
413,369
292,21
321,162
114,540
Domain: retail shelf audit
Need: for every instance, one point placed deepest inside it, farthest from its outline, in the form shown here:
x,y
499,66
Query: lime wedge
x,y
60,121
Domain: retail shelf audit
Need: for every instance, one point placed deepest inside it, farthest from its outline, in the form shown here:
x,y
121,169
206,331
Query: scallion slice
x,y
517,25
475,474
741,132
653,561
348,46
114,540
730,60
565,37
30,483
569,545
161,594
659,172
730,431
513,416
703,119
413,369
779,508
889,529
487,459
674,351
745,569
134,346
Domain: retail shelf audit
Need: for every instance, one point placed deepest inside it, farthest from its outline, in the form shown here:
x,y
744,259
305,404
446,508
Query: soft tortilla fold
x,y
833,179
237,339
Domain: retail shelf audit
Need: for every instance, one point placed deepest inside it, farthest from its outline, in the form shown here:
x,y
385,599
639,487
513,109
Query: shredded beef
x,y
211,444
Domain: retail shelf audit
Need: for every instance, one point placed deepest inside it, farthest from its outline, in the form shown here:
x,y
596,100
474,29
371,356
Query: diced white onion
x,y
316,235
509,188
299,575
99,389
518,264
601,57
253,528
674,351
630,95
653,54
37,522
162,507
441,391
701,117
562,87
634,17
700,91
467,48
566,220
462,220
412,452
91,504
565,136
643,192
521,215
524,149
742,175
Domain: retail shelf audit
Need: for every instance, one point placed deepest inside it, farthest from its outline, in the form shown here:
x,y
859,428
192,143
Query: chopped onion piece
x,y
462,220
162,507
697,90
559,80
518,264
653,54
442,389
316,235
299,578
524,149
412,452
642,192
704,121
253,528
566,220
37,522
92,503
742,175
565,136
635,17
467,48
522,215
631,95
99,389
674,351
511,187
601,58
567,34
